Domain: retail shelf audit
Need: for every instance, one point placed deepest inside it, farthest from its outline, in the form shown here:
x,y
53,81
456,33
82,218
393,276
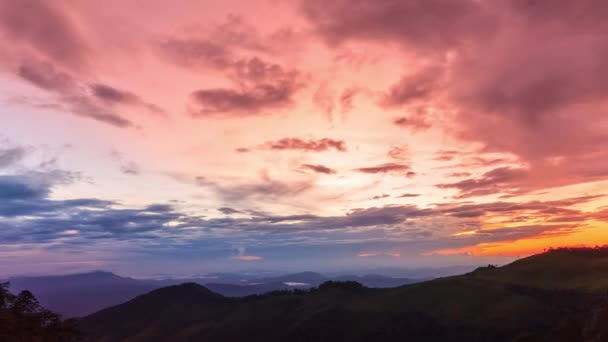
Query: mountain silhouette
x,y
555,296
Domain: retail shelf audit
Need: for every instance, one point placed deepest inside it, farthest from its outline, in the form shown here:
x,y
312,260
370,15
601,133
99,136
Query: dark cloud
x,y
319,145
386,168
547,210
544,106
84,106
241,102
27,194
11,155
235,32
497,181
255,71
218,47
421,24
43,27
412,88
14,188
112,95
228,211
260,86
408,195
319,169
242,150
69,97
263,188
197,52
381,196
30,216
415,123
46,76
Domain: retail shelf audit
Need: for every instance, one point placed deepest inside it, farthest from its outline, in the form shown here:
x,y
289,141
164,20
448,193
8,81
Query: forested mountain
x,y
555,296
78,295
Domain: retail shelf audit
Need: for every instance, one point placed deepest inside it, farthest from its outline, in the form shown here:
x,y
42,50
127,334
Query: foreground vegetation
x,y
22,319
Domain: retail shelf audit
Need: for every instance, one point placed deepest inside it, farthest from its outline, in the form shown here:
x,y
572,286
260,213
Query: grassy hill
x,y
553,296
575,268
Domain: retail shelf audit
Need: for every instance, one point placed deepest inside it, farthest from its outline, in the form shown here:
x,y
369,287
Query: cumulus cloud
x,y
545,106
260,86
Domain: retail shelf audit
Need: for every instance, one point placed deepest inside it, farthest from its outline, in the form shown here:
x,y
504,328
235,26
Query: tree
x,y
23,319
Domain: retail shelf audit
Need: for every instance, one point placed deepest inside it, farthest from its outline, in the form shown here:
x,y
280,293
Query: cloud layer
x,y
306,133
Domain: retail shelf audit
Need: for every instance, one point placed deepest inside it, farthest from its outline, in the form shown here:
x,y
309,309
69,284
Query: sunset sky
x,y
156,137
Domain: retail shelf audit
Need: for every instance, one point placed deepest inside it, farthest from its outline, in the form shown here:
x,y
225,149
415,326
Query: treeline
x,y
23,319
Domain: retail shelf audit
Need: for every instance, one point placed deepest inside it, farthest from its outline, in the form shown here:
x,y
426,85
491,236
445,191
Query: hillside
x,y
491,304
577,268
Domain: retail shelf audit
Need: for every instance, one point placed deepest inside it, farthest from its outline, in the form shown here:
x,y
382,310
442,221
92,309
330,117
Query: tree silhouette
x,y
23,319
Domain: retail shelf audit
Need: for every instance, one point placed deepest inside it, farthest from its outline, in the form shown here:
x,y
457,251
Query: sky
x,y
180,137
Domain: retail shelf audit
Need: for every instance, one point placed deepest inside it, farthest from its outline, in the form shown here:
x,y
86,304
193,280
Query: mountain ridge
x,y
483,305
79,294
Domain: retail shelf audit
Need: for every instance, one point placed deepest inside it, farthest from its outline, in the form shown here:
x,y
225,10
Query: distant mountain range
x,y
77,295
556,296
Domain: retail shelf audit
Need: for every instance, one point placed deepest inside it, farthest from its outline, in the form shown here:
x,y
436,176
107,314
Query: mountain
x,y
527,300
376,280
410,273
80,294
231,290
77,295
303,278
